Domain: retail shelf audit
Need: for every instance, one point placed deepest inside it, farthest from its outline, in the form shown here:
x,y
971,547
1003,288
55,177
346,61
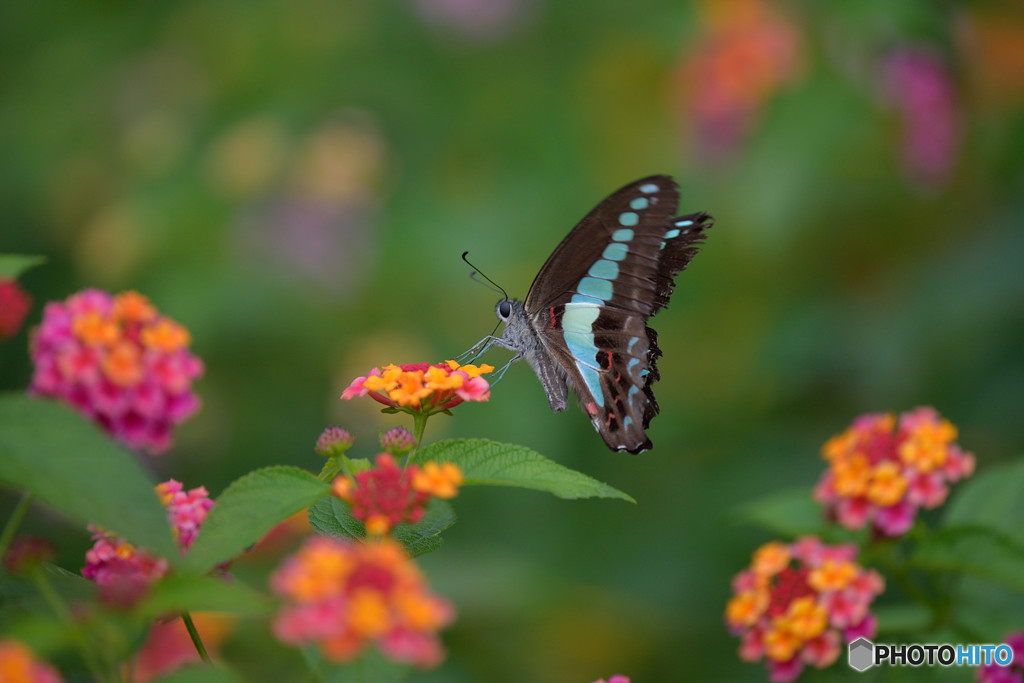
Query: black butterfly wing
x,y
590,303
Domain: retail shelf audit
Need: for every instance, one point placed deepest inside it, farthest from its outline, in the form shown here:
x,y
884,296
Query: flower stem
x,y
419,424
63,613
14,521
194,635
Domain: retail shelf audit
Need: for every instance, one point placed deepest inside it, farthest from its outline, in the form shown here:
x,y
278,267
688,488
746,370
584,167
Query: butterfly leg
x,y
477,350
503,369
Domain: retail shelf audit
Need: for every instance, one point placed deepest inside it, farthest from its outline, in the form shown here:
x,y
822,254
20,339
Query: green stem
x,y
14,521
419,424
894,565
194,635
63,613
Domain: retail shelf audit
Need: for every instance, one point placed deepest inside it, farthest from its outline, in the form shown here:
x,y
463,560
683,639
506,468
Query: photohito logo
x,y
863,654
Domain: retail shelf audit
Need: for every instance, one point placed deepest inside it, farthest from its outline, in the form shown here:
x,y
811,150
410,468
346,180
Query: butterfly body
x,y
583,325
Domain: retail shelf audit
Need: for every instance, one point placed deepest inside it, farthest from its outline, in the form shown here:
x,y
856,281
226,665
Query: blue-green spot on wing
x,y
248,509
486,462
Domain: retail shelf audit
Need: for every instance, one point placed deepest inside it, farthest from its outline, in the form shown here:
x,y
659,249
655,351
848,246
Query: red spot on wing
x,y
554,318
591,409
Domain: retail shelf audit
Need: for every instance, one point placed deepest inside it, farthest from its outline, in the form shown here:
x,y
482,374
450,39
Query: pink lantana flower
x,y
882,470
421,387
119,362
343,596
124,571
799,603
387,494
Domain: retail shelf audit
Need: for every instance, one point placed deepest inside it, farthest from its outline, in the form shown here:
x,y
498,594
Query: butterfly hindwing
x,y
590,302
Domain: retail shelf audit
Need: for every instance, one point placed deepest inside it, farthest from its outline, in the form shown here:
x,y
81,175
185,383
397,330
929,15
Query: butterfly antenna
x,y
487,282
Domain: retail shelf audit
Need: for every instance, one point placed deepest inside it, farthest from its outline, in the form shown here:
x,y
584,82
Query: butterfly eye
x,y
504,309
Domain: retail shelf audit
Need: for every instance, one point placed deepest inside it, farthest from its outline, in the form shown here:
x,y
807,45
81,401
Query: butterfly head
x,y
504,310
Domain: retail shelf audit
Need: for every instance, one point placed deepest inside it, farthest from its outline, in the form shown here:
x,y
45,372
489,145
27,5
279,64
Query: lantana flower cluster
x,y
119,362
798,604
344,595
124,571
883,469
387,494
18,664
421,387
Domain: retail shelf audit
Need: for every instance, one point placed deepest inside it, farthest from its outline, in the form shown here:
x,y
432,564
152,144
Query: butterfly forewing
x,y
590,302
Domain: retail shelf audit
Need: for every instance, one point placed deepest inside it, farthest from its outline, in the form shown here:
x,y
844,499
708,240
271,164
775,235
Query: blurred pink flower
x,y
1014,673
919,86
119,362
883,470
343,596
18,664
15,304
746,51
124,571
481,20
798,603
168,646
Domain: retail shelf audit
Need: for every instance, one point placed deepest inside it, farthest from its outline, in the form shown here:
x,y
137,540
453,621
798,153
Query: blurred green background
x,y
294,181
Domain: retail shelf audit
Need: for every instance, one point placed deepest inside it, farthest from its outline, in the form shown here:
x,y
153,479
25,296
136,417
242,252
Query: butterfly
x,y
583,325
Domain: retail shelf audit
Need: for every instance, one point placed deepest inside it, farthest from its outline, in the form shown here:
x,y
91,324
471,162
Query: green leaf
x,y
371,667
249,508
485,462
425,535
992,499
902,618
974,551
13,265
333,517
68,463
176,594
198,673
787,513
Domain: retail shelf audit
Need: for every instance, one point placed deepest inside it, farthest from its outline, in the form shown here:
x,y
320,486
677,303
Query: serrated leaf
x,y
69,464
203,594
489,463
974,551
333,517
249,508
13,265
425,535
787,513
992,499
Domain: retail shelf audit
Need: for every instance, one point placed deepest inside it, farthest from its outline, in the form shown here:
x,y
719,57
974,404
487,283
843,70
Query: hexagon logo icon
x,y
861,654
